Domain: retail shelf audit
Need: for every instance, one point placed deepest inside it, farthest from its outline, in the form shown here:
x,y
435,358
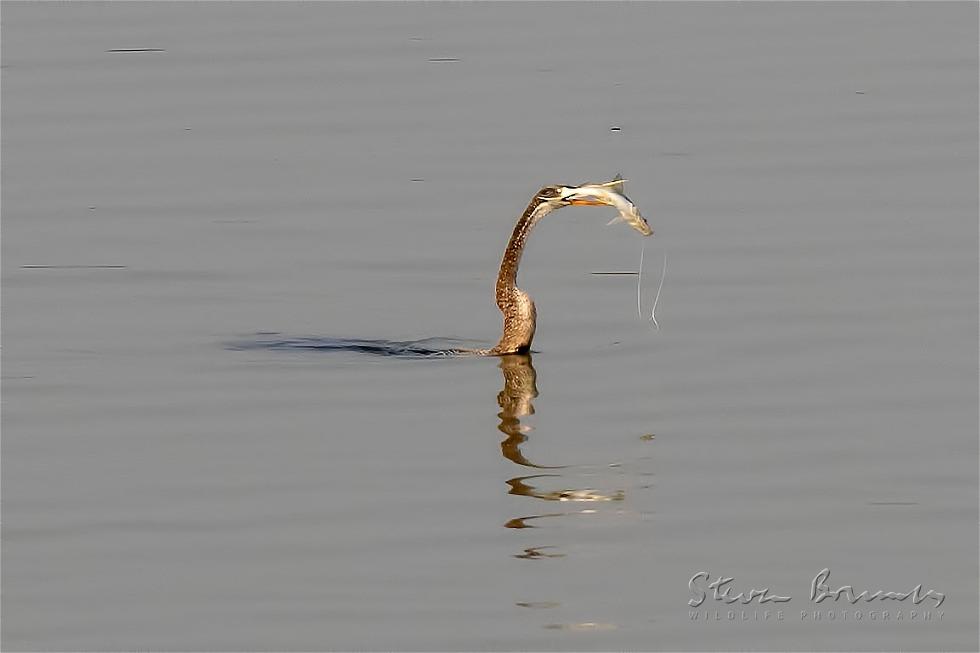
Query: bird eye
x,y
549,192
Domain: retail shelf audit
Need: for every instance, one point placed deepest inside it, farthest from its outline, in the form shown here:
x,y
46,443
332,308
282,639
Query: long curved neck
x,y
515,304
507,278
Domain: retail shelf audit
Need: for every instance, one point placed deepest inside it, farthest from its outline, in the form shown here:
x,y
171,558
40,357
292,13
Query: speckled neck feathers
x,y
518,309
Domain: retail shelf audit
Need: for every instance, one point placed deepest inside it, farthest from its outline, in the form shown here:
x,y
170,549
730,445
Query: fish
x,y
611,193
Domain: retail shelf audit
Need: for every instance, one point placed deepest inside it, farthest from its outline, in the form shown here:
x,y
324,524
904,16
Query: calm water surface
x,y
339,171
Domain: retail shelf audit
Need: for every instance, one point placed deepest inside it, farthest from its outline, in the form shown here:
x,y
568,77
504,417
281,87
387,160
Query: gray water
x,y
329,171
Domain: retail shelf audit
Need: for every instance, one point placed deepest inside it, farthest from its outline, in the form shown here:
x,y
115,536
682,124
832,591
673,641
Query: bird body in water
x,y
520,316
516,305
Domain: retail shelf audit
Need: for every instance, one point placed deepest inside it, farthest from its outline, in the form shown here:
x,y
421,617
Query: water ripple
x,y
424,348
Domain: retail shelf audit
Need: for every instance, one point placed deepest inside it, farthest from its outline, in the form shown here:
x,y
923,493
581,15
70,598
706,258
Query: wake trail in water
x,y
425,348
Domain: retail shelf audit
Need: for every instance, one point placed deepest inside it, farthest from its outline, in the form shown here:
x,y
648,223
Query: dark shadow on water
x,y
425,348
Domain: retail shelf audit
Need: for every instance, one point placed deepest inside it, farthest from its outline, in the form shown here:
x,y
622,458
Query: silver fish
x,y
611,194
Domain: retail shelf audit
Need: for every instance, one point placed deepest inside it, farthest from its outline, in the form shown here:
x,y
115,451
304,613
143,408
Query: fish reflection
x,y
520,486
583,626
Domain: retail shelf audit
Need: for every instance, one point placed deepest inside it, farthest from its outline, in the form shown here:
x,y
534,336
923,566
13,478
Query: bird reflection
x,y
516,404
535,552
520,387
522,522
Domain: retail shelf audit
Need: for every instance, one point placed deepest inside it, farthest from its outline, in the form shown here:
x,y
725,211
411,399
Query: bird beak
x,y
586,201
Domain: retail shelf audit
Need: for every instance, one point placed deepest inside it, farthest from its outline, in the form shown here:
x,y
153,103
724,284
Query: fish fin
x,y
619,218
618,184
